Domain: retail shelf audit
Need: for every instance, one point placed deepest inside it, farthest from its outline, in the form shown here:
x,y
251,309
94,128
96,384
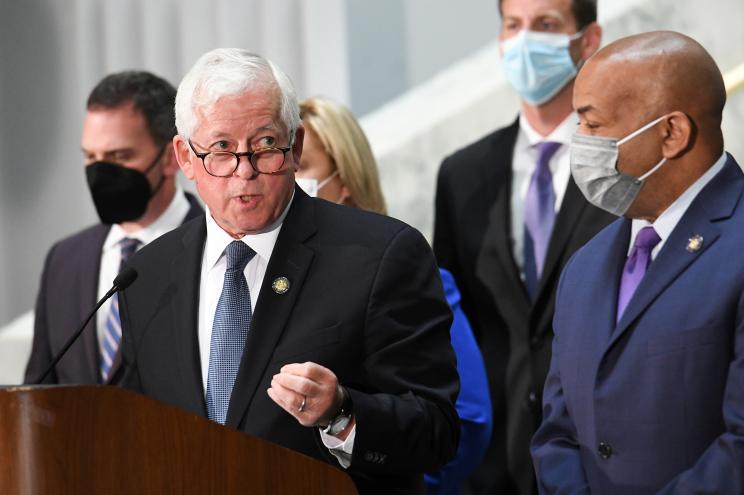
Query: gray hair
x,y
231,71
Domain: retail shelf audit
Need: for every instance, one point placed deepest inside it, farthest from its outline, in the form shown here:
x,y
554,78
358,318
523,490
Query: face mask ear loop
x,y
151,166
155,161
653,169
576,35
641,130
327,180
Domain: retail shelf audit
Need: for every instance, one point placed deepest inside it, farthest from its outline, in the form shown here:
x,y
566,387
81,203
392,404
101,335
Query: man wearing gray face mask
x,y
644,393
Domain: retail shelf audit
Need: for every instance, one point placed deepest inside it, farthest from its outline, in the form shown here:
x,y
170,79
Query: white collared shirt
x,y
172,217
668,220
524,162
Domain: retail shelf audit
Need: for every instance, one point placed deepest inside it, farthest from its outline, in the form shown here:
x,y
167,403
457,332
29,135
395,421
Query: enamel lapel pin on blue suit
x,y
280,285
694,243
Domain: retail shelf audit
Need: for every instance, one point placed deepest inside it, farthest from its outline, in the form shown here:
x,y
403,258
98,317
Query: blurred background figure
x,y
337,165
509,216
131,173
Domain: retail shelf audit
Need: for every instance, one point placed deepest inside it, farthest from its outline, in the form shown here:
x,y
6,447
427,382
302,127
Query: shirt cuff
x,y
341,449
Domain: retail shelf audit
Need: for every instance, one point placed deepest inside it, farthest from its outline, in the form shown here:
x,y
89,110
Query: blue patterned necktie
x,y
232,321
539,216
112,330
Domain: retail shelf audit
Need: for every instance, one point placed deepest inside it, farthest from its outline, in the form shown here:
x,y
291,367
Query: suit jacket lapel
x,y
715,202
290,259
497,240
194,211
565,226
186,274
606,280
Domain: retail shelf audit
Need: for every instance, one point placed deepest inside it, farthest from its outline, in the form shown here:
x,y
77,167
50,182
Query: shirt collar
x,y
172,217
668,220
561,134
262,243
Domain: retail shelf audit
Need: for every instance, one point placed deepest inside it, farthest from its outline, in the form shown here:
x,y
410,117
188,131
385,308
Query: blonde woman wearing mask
x,y
337,165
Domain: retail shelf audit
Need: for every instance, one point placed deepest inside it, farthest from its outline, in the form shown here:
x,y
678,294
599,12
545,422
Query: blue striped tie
x,y
232,321
112,334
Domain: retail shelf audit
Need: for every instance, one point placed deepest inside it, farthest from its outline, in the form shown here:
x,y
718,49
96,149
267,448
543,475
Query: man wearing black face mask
x,y
131,171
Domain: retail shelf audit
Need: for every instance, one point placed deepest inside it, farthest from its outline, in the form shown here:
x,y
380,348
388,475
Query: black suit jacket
x,y
365,300
472,239
68,292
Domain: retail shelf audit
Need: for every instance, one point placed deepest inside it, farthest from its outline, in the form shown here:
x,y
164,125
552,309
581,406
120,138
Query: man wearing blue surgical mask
x,y
644,393
509,216
131,173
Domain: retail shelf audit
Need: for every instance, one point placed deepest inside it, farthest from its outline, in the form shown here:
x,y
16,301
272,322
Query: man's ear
x,y
170,164
183,156
591,41
297,146
678,131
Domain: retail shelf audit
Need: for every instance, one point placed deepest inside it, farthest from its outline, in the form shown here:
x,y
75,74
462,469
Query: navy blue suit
x,y
654,403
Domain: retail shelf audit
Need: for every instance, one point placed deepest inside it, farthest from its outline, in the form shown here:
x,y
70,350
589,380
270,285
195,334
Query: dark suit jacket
x,y
472,239
365,301
68,292
654,403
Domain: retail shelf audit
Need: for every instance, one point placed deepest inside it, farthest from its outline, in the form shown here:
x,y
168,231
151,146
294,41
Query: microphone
x,y
121,282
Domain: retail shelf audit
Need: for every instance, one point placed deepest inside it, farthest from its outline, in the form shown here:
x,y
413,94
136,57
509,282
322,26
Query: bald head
x,y
669,81
663,71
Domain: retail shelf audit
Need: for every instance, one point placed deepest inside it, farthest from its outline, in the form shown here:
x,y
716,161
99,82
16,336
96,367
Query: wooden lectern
x,y
105,440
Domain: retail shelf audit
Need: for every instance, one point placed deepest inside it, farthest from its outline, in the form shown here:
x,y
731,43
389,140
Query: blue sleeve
x,y
555,448
473,403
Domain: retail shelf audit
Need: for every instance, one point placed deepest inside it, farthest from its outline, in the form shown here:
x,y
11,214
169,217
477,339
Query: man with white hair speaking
x,y
315,326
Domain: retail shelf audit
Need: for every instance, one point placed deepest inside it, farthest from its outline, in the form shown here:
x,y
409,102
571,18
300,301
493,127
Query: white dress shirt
x,y
214,265
668,220
172,217
524,162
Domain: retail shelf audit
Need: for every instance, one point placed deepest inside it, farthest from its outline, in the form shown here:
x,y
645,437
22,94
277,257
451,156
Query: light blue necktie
x,y
539,216
112,330
232,321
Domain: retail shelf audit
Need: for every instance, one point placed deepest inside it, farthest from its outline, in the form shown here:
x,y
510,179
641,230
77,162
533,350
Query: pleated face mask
x,y
538,65
594,169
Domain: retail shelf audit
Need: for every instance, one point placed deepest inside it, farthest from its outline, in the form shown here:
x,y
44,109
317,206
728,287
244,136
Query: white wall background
x,y
362,53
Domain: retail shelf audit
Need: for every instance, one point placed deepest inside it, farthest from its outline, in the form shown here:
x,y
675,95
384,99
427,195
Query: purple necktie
x,y
636,266
539,215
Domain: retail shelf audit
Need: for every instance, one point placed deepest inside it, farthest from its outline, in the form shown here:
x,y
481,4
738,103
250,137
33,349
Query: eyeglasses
x,y
269,160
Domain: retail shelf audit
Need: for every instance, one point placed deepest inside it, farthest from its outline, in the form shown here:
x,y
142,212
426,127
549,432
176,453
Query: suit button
x,y
532,403
535,342
605,450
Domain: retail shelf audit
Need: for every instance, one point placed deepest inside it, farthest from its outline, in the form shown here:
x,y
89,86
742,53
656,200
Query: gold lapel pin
x,y
694,243
280,285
